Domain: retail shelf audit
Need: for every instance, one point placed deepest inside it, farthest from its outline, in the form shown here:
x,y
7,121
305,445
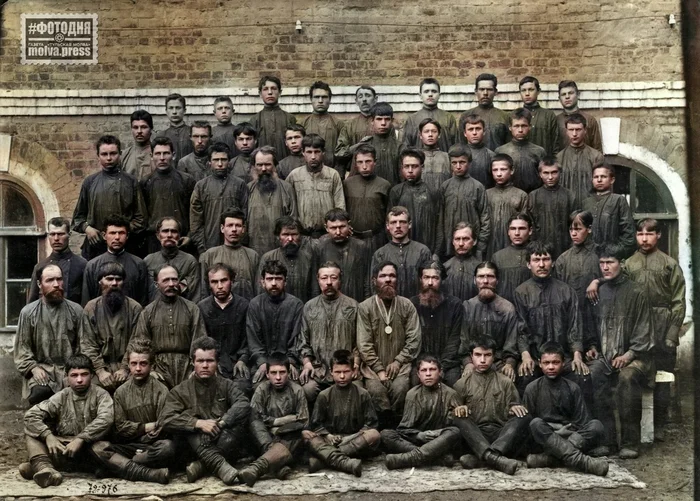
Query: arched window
x,y
21,225
648,196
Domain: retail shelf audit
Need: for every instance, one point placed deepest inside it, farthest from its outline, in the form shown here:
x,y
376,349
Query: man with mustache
x,y
196,164
494,120
441,316
459,270
136,159
245,137
296,253
269,199
429,91
323,123
107,325
47,335
358,127
172,323
328,323
388,339
272,121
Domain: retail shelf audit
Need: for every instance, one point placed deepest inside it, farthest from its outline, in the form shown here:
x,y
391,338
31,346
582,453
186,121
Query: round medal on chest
x,y
388,329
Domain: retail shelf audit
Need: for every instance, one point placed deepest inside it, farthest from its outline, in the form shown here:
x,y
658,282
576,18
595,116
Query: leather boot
x,y
215,462
541,461
195,471
284,472
274,459
331,456
469,461
26,471
128,470
355,447
500,463
45,474
574,458
405,459
438,448
315,464
394,443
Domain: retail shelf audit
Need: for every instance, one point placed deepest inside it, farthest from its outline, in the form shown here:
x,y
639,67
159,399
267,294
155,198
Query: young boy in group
x,y
436,168
526,155
178,131
246,139
222,132
474,132
385,143
295,157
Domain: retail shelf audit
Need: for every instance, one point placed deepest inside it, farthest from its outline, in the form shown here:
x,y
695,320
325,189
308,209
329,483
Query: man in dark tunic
x,y
495,120
429,90
178,131
545,130
622,356
512,261
459,279
561,423
212,196
272,121
245,138
196,164
491,419
136,159
241,259
388,339
357,127
568,97
323,123
577,159
293,155
408,255
426,432
273,322
136,282
423,203
551,204
436,167
344,423
385,143
352,255
172,323
278,413
297,254
612,216
526,155
47,335
481,156
224,316
110,191
223,130
167,192
212,414
367,198
107,325
328,324
269,199
464,200
168,234
72,265
441,316
504,201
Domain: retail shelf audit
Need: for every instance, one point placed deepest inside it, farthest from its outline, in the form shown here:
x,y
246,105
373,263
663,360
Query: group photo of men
x,y
256,298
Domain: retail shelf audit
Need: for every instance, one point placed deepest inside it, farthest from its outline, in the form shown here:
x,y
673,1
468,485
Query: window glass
x,y
648,199
21,257
15,299
16,209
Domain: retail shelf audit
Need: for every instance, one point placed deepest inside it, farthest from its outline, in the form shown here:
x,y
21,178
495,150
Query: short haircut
x,y
111,268
523,216
429,81
381,109
428,358
245,128
164,141
465,226
116,220
552,348
295,128
433,264
649,224
398,210
502,157
216,267
337,215
108,139
163,219
341,357
487,265
273,267
568,83
577,118
286,222
379,266
59,222
40,269
142,115
486,76
583,216
176,97
223,99
538,248
614,251
219,147
549,161
79,361
265,150
529,79
201,124
365,149
485,342
459,150
427,121
604,165
313,141
233,213
472,119
519,114
366,87
269,78
163,267
413,153
331,264
205,343
318,84
142,346
278,358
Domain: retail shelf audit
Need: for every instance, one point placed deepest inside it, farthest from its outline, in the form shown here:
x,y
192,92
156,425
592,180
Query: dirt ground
x,y
666,468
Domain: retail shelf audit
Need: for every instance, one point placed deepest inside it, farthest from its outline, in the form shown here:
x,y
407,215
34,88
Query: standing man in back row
x,y
545,130
430,96
495,119
271,122
324,124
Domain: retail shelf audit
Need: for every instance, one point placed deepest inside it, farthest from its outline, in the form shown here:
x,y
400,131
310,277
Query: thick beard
x,y
386,292
290,250
54,297
267,184
114,300
486,295
430,298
